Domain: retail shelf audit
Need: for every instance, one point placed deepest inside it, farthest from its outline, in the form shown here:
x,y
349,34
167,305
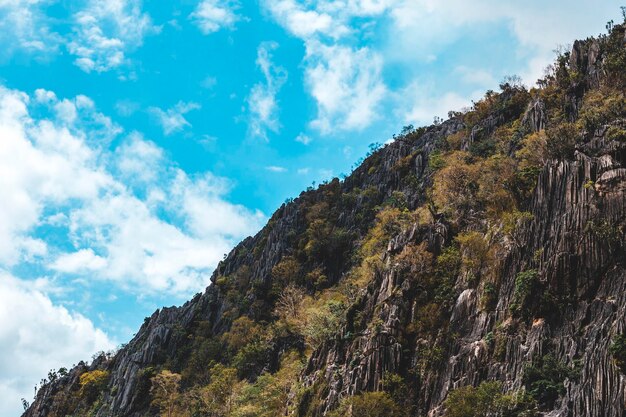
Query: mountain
x,y
473,267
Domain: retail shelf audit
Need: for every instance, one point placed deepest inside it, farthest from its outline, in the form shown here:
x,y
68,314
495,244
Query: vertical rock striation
x,y
572,248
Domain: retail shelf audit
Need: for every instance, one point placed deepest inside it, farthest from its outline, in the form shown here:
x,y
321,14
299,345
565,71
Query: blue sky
x,y
139,141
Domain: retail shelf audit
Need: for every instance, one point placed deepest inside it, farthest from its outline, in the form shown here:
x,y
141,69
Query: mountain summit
x,y
475,267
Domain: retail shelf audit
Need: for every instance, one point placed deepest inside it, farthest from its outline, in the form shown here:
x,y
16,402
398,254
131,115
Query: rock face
x,y
574,244
574,261
164,333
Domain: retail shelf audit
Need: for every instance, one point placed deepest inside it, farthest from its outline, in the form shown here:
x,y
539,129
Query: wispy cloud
x,y
326,174
173,119
275,168
209,82
303,139
126,108
347,85
421,105
104,31
262,102
25,27
131,216
213,15
345,80
345,72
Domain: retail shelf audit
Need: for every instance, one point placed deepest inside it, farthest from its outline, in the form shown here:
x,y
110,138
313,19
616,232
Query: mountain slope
x,y
488,247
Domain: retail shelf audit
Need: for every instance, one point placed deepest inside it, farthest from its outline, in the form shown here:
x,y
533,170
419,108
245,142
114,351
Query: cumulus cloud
x,y
40,162
99,35
344,79
305,22
129,216
200,199
24,27
139,160
143,251
337,36
213,15
105,30
346,84
173,119
262,102
41,337
84,260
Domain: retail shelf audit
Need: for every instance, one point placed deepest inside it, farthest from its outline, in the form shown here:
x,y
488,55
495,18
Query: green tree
x,y
369,404
217,399
92,383
323,322
289,304
287,271
165,393
544,379
487,399
618,351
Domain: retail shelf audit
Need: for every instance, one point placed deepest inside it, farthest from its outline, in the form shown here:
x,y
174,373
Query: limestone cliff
x,y
550,288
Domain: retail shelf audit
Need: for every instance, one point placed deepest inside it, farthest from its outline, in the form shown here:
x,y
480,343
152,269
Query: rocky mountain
x,y
473,267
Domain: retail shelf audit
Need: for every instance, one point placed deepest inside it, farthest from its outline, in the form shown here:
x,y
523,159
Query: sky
x,y
141,140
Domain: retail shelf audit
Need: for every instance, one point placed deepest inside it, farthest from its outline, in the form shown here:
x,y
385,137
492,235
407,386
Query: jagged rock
x,y
574,244
535,116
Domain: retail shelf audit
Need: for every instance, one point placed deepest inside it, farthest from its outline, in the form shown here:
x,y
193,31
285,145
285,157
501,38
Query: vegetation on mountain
x,y
267,353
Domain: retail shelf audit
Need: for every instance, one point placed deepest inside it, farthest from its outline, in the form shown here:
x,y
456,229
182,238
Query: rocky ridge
x,y
573,242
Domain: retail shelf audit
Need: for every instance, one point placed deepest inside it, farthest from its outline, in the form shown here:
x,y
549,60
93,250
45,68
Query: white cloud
x,y
412,33
423,105
138,160
129,216
85,260
304,171
476,77
24,27
275,168
208,142
40,162
213,15
206,213
345,80
347,85
143,251
45,96
36,336
328,18
126,108
303,139
423,27
301,22
104,31
173,120
262,102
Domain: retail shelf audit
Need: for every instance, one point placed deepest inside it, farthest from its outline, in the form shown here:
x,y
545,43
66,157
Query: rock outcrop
x,y
573,243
